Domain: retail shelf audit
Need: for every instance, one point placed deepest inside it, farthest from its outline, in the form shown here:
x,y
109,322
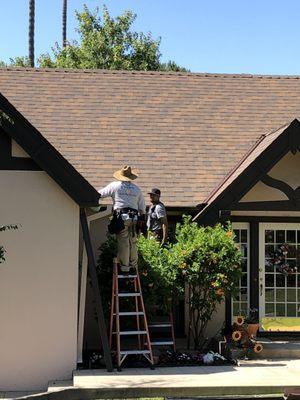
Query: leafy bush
x,y
205,259
210,262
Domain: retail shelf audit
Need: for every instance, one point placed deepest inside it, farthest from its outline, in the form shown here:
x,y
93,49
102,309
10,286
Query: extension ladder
x,y
139,313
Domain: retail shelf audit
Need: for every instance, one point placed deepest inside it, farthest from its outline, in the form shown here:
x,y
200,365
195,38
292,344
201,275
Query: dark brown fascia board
x,y
47,157
289,140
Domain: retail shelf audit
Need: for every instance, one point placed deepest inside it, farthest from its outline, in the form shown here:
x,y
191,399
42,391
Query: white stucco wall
x,y
38,281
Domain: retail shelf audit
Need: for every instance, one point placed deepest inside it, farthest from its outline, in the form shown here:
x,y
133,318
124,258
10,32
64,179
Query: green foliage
x,y
20,62
205,260
2,229
107,43
210,261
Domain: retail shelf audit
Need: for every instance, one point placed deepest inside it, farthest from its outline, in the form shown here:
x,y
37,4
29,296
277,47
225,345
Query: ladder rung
x,y
162,343
160,326
126,313
127,276
132,332
127,352
129,294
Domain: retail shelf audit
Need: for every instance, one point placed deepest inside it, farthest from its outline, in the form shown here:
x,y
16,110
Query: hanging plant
x,y
279,260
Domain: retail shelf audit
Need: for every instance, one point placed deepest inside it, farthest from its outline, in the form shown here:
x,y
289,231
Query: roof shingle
x,y
184,132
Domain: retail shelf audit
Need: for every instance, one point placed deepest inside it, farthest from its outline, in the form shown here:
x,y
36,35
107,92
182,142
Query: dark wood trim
x,y
5,146
47,157
245,218
96,289
285,188
9,162
228,313
288,140
279,205
254,264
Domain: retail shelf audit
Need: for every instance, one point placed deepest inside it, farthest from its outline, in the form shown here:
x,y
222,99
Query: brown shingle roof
x,y
184,132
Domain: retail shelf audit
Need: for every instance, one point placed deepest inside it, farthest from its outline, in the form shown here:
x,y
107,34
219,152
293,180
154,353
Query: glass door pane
x,y
280,277
240,304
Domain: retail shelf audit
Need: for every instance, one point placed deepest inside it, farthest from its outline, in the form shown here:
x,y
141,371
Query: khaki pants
x,y
127,250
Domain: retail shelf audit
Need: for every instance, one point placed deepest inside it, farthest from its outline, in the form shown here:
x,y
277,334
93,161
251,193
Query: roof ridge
x,y
165,73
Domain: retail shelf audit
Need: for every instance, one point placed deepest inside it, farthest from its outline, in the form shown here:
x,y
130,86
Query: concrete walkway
x,y
257,377
249,378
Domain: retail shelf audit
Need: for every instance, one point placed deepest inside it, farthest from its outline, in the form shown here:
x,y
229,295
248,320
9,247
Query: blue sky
x,y
226,36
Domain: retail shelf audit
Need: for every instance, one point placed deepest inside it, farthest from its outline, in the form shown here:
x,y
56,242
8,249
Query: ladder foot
x,y
119,369
152,367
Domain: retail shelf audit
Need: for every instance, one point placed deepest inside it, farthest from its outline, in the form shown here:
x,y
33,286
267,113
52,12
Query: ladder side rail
x,y
137,316
112,308
145,321
117,309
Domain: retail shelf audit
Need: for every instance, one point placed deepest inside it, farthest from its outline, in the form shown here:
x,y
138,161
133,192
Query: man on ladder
x,y
128,203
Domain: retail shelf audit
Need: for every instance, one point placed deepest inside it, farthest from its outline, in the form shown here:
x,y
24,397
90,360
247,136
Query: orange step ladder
x,y
117,315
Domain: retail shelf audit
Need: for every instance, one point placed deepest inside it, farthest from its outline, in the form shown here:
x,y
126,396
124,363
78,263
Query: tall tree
x,y
108,43
64,24
31,31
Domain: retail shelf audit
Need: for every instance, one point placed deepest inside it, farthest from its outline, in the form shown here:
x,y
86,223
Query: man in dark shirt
x,y
157,222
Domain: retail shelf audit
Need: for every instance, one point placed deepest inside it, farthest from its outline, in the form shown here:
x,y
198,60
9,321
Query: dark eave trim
x,y
47,157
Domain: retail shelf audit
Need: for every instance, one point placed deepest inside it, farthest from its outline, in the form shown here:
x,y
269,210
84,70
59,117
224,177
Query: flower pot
x,y
252,329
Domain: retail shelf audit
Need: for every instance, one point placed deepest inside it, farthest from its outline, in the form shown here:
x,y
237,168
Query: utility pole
x,y
64,24
31,31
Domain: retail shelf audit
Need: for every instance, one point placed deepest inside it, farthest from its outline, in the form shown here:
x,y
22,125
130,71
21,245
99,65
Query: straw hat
x,y
125,174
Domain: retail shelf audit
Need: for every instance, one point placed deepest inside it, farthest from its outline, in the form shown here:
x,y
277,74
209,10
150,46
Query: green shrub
x,y
206,260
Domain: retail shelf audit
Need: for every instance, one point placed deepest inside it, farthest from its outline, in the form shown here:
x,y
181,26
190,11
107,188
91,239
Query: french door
x,y
240,303
279,290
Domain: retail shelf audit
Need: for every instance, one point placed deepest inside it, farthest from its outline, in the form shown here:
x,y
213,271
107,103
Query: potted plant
x,y
252,321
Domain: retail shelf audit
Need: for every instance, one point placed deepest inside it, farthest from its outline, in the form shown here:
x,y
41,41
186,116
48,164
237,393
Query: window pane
x,y
291,251
244,264
269,280
280,237
244,236
269,251
269,295
291,295
269,266
235,308
291,280
269,236
291,310
244,280
244,250
280,309
291,236
269,309
280,280
237,235
280,295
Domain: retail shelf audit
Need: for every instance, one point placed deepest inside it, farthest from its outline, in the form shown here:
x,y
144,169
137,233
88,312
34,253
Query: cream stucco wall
x,y
286,170
38,281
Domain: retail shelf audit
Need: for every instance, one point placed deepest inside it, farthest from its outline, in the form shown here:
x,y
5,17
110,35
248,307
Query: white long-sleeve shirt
x,y
124,194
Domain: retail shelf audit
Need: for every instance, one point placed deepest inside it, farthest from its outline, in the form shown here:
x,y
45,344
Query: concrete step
x,y
279,349
56,386
272,350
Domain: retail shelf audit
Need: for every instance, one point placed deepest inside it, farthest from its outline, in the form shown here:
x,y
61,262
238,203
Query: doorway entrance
x,y
279,278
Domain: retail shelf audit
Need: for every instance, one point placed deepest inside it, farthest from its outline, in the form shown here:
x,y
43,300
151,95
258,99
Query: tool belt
x,y
119,216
